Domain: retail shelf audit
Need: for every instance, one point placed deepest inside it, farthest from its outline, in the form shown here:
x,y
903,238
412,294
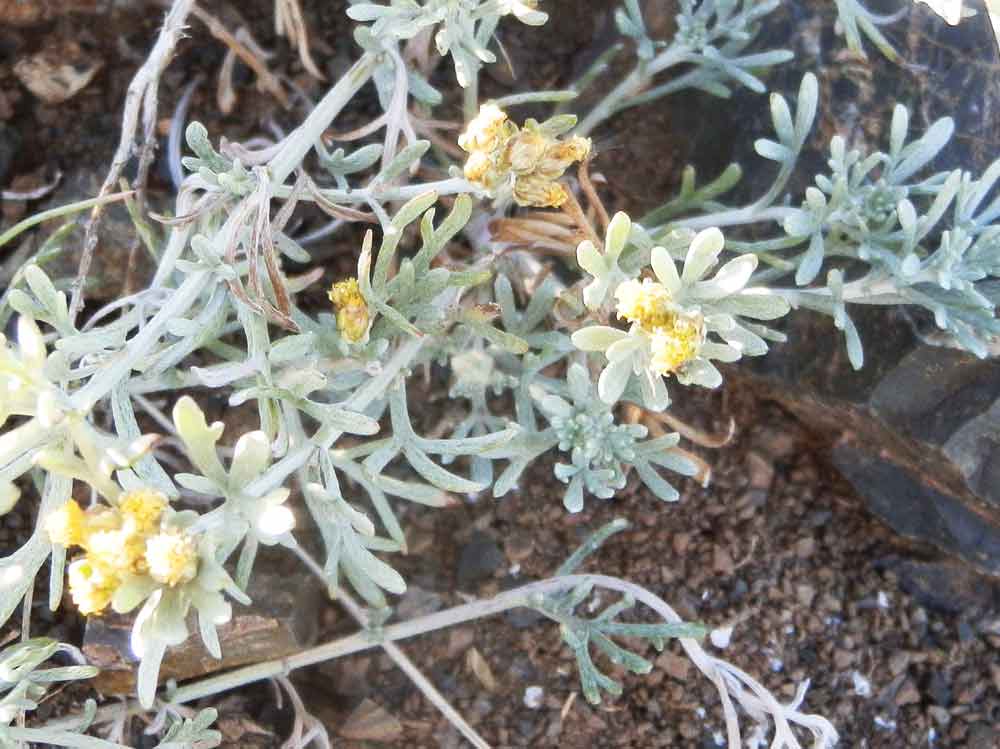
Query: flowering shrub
x,y
636,311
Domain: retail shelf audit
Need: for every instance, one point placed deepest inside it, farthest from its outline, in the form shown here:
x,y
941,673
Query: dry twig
x,y
141,98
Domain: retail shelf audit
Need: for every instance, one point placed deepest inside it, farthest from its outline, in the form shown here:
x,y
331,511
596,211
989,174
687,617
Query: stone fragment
x,y
908,694
946,586
417,602
10,142
675,666
480,668
116,237
983,736
479,559
57,73
281,620
760,470
371,722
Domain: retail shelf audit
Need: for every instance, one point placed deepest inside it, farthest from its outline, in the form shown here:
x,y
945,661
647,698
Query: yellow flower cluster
x,y
675,335
119,542
352,310
500,151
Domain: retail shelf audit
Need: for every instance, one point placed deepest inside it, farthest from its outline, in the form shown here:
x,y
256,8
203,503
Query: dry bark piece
x,y
281,620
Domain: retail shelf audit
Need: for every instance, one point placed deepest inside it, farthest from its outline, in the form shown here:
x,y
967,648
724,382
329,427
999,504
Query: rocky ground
x,y
903,650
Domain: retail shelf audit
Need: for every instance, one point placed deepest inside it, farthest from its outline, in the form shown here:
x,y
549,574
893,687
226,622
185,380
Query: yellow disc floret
x,y
675,336
144,508
539,192
526,150
488,131
645,302
561,155
120,552
119,542
675,344
172,558
67,526
352,310
91,586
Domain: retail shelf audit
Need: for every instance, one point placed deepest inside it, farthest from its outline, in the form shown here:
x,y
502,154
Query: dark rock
x,y
523,618
116,237
10,141
945,586
418,602
939,689
982,736
917,430
908,489
966,633
479,559
281,620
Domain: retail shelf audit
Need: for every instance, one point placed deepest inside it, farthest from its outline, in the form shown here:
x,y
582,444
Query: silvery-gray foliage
x,y
539,361
883,227
854,20
24,683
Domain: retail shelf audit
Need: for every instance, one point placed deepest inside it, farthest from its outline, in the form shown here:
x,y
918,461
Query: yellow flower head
x,y
481,170
539,192
645,302
143,507
526,150
67,526
560,156
352,310
488,132
120,552
676,343
172,558
499,149
91,586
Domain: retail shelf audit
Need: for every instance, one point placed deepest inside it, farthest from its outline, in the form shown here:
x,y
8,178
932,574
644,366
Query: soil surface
x,y
777,546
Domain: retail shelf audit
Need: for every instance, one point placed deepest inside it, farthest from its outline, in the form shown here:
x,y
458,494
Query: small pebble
x,y
533,697
862,687
721,637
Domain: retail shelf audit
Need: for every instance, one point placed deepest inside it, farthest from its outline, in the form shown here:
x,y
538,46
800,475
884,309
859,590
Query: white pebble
x,y
862,687
885,724
533,697
883,600
721,637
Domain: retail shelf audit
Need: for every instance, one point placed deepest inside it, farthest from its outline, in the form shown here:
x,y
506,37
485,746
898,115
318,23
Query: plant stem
x,y
400,658
386,193
524,596
63,210
140,346
735,217
49,737
324,439
633,84
302,139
